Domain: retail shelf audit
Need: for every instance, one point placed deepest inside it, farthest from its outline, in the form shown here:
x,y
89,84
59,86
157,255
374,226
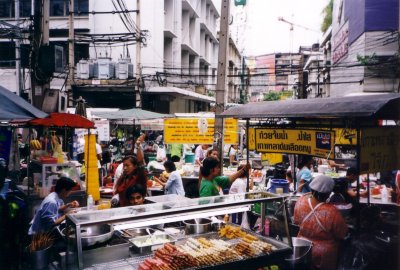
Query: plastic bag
x,y
161,154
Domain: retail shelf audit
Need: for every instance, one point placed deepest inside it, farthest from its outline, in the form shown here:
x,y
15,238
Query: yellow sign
x,y
380,149
272,158
198,130
345,136
317,143
252,139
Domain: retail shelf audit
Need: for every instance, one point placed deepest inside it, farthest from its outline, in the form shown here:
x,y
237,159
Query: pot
x,y
92,235
197,225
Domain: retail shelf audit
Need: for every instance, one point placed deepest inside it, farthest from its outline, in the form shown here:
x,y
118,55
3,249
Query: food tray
x,y
150,243
274,257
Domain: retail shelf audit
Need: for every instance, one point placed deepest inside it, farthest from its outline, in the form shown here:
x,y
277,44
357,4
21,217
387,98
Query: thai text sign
x,y
379,149
295,141
198,130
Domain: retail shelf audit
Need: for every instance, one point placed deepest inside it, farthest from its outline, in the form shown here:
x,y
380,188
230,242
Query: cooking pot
x,y
197,225
92,235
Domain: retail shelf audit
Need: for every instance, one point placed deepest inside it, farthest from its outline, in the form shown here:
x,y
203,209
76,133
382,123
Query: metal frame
x,y
179,210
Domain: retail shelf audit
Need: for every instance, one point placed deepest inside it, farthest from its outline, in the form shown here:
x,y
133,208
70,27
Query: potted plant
x,y
40,250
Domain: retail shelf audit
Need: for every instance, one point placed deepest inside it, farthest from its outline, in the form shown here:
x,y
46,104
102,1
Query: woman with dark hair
x,y
304,176
174,183
132,174
320,223
211,171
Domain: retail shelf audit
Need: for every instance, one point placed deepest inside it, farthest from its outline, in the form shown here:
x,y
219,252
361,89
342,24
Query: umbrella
x,y
80,107
13,107
63,120
131,114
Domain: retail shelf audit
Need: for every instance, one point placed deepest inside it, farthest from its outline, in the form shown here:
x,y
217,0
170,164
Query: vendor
x,y
321,223
52,210
210,171
172,185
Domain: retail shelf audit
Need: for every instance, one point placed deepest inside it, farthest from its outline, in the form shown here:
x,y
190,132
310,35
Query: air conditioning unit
x,y
104,69
124,69
85,69
54,101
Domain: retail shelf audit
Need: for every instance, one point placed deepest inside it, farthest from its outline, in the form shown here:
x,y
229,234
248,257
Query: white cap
x,y
322,184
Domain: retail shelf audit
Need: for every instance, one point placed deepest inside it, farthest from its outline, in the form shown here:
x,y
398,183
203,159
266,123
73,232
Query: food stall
x,y
135,252
314,122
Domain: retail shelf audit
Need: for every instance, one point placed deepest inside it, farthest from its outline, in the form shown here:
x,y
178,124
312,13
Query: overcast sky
x,y
259,32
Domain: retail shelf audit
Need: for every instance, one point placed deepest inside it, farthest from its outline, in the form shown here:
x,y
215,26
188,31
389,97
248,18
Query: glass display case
x,y
161,213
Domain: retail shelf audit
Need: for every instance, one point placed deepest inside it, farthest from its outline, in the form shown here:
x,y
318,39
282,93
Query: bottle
x,y
90,202
384,194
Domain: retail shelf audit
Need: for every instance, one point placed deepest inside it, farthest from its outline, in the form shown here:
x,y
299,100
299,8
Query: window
x,y
7,54
58,8
7,8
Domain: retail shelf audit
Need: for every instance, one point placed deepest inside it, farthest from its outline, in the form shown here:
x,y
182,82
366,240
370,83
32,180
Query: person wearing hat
x,y
321,223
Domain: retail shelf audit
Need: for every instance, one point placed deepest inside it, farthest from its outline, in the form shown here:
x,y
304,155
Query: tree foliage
x,y
327,13
271,96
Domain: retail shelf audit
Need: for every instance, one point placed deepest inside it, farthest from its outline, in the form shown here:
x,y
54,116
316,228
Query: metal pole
x,y
71,49
221,78
17,53
247,153
138,97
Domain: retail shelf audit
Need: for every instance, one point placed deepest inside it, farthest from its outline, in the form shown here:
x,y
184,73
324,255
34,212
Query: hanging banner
x,y
295,141
103,130
380,149
198,131
5,143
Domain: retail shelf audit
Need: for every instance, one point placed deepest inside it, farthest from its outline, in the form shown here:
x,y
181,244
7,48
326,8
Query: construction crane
x,y
292,27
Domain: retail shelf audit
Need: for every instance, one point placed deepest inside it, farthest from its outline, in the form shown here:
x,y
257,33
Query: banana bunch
x,y
35,145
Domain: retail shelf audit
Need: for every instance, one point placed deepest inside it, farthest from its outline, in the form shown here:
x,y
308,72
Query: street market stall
x,y
309,127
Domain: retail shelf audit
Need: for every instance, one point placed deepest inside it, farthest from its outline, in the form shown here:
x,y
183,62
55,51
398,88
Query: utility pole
x,y
17,53
221,77
40,37
138,97
71,52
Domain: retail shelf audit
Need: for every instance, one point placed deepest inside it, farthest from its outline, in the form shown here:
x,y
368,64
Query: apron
x,y
313,213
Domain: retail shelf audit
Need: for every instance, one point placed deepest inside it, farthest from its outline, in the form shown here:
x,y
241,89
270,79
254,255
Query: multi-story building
x,y
276,72
365,47
178,53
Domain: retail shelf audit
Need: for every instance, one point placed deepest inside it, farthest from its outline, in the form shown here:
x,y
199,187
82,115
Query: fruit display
x,y
35,145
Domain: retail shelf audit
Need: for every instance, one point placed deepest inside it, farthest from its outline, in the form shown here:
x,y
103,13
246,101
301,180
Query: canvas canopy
x,y
131,114
380,106
15,108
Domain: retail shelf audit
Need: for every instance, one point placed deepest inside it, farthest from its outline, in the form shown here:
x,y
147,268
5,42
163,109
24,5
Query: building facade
x,y
174,68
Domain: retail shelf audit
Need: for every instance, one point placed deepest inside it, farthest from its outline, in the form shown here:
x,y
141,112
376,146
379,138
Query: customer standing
x,y
304,176
210,171
173,185
320,223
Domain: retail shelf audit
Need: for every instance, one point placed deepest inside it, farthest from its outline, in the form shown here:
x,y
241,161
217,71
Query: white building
x,y
179,53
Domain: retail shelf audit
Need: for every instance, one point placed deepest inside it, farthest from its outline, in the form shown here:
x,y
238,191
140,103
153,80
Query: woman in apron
x,y
320,223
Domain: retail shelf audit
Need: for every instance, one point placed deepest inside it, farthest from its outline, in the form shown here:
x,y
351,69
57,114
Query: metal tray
x,y
150,243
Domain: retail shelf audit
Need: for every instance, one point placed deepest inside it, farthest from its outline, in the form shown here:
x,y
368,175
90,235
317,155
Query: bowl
x,y
197,226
